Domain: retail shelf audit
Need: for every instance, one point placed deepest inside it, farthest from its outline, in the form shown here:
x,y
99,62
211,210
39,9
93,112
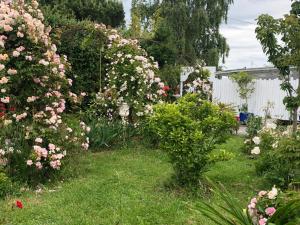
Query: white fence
x,y
224,90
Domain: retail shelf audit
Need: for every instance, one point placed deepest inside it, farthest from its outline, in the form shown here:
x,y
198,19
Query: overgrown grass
x,y
127,186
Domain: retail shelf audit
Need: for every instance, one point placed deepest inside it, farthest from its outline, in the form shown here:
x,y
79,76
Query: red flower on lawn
x,y
19,204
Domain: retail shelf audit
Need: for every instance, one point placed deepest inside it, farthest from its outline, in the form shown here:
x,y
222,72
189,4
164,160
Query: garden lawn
x,y
127,186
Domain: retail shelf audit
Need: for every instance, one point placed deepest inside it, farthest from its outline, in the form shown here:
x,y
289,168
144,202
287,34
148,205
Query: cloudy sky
x,y
245,50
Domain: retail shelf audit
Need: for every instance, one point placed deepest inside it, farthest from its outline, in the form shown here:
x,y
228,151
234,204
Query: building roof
x,y
258,73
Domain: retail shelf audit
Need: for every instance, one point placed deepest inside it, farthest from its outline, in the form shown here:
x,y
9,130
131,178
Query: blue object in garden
x,y
244,117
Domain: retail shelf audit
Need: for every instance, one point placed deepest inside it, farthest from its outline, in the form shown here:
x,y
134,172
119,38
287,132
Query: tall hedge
x,y
82,44
109,12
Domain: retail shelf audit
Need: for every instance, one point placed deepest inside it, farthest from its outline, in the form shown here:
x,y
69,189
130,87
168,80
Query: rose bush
x,y
278,154
280,158
198,82
263,206
34,90
130,86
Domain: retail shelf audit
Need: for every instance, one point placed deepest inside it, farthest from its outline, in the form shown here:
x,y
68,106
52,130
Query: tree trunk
x,y
295,119
295,111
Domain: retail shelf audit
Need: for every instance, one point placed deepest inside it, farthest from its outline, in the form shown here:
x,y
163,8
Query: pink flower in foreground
x,y
39,165
29,162
270,211
51,147
262,193
254,200
262,221
5,100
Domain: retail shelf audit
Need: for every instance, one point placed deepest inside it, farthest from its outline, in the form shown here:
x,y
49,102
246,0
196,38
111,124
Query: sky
x,y
245,50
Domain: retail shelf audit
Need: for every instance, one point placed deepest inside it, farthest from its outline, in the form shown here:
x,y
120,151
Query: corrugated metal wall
x,y
224,90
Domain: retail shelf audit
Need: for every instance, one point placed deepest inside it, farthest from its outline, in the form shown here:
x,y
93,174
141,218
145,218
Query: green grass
x,y
127,187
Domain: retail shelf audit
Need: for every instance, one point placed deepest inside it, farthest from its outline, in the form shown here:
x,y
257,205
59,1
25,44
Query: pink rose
x,y
39,165
254,200
262,193
252,205
262,221
51,147
29,162
270,211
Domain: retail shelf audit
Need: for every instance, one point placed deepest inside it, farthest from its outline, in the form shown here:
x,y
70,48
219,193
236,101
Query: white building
x,y
267,89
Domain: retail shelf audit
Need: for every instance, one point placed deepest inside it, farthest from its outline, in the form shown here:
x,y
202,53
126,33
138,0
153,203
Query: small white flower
x,y
255,151
275,145
124,110
271,126
273,193
256,140
29,162
7,122
2,152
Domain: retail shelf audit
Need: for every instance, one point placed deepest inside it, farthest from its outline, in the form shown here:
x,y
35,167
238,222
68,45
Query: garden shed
x,y
267,89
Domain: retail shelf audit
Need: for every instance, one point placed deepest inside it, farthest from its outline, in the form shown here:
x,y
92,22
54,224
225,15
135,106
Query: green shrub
x,y
254,124
221,155
105,133
55,18
5,185
281,165
107,12
188,131
267,140
82,43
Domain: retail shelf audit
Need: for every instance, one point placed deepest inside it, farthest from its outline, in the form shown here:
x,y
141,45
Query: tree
x,y
245,85
108,12
186,30
280,39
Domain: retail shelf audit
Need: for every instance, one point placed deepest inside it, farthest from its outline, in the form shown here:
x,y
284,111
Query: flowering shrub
x,y
280,163
254,125
272,208
170,74
263,206
189,130
34,90
199,83
262,139
278,151
130,86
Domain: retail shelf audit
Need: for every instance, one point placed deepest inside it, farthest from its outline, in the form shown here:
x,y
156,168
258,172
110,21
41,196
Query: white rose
x,y
7,122
271,126
256,140
273,193
255,151
124,110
